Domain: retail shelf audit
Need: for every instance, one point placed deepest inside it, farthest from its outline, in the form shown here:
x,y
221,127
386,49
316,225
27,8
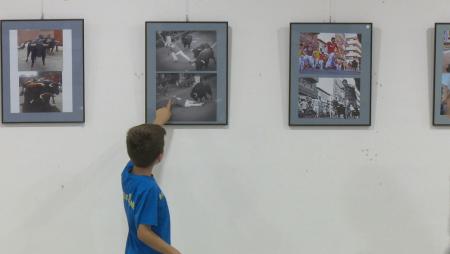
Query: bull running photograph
x,y
445,95
186,51
193,96
446,52
40,50
338,53
40,91
329,98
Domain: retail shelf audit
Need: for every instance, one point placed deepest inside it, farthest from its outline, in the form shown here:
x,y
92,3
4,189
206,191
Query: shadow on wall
x,y
159,172
430,60
50,207
386,207
377,84
447,251
284,52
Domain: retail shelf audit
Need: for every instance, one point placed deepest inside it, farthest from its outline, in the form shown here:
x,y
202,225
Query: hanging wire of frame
x,y
187,10
42,10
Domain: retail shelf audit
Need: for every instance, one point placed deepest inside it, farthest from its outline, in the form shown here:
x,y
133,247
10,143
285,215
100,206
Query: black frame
x,y
434,73
434,76
83,69
370,74
226,71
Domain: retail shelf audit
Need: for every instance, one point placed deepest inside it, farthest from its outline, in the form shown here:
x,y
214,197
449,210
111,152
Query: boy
x,y
145,205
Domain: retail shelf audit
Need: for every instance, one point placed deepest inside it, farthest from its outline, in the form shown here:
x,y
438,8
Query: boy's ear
x,y
160,157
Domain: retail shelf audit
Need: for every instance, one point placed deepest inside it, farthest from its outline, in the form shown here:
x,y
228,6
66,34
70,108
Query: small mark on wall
x,y
369,155
139,75
365,151
62,186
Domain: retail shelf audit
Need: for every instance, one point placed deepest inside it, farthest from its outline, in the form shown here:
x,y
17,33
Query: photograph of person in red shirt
x,y
331,50
339,53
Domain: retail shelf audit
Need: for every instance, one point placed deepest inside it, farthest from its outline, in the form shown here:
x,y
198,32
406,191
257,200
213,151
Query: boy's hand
x,y
147,236
163,114
175,251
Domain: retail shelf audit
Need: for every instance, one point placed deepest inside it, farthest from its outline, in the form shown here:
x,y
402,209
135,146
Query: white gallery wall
x,y
257,185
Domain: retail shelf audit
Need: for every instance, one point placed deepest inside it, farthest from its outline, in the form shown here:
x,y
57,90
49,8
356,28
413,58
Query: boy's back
x,y
144,204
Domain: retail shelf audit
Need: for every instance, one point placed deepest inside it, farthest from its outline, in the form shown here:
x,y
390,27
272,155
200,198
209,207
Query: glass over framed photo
x,y
441,98
42,71
187,65
330,74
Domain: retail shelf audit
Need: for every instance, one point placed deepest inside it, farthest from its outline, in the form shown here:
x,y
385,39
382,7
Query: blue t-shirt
x,y
144,204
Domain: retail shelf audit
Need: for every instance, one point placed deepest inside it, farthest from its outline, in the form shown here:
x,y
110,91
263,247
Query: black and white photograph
x,y
187,65
40,91
40,50
329,98
193,96
186,51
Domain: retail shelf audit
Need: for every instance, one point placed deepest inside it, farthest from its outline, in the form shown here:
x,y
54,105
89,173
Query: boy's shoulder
x,y
139,183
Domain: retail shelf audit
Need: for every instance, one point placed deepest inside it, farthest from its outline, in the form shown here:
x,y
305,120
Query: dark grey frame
x,y
437,75
369,123
82,119
226,71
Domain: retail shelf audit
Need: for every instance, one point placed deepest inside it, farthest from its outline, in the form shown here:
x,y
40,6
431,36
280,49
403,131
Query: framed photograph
x,y
330,74
42,71
187,64
441,98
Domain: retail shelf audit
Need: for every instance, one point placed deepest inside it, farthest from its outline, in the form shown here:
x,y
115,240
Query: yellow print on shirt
x,y
127,198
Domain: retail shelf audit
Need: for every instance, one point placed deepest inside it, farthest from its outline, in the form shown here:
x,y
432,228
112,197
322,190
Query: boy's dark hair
x,y
145,143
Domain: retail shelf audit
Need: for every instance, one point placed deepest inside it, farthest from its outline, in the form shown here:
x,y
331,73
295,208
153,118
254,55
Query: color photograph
x,y
40,50
42,71
441,94
193,96
186,51
40,91
445,96
446,52
330,74
330,53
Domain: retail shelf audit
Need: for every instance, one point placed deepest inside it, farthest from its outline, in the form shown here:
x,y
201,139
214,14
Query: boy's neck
x,y
140,171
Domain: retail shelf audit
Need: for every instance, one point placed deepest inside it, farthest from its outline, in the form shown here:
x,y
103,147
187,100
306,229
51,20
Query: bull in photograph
x,y
37,48
203,54
39,95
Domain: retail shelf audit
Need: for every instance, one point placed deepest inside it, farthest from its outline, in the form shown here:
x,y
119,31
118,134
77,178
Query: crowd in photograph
x,y
316,108
339,52
340,99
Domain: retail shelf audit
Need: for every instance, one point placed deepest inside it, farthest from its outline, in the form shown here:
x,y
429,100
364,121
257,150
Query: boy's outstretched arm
x,y
163,114
147,236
